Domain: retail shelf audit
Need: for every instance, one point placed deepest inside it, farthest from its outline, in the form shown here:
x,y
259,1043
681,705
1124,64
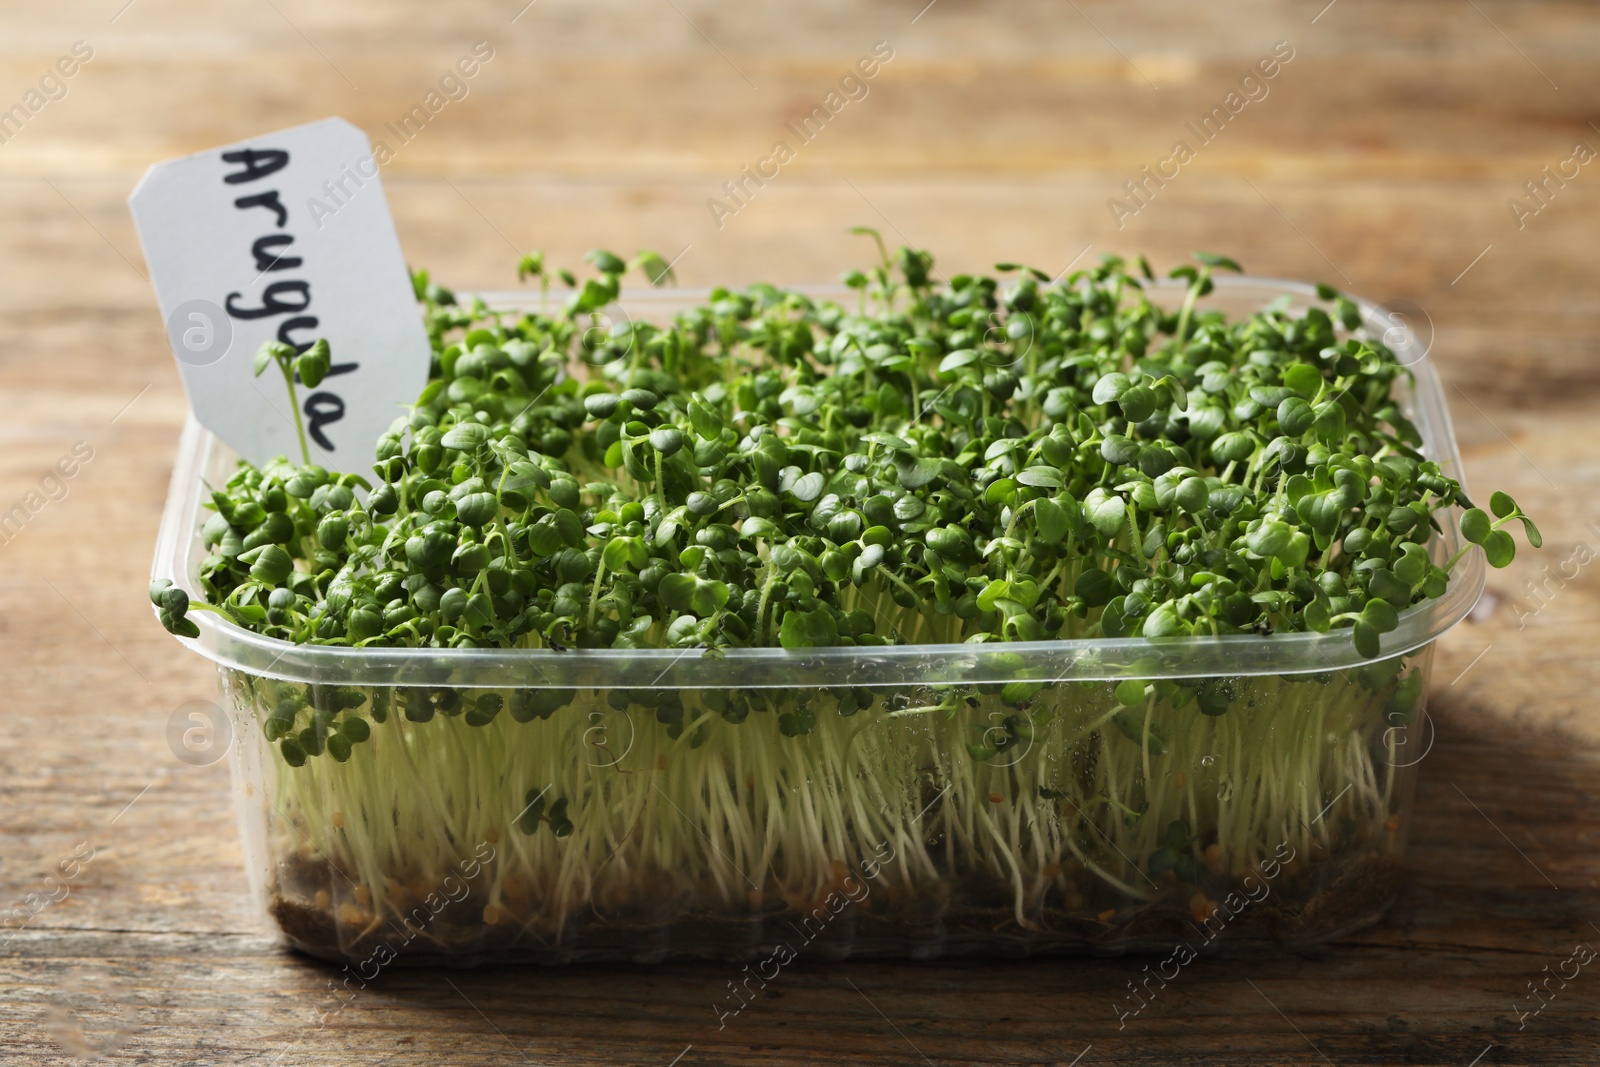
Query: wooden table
x,y
1381,159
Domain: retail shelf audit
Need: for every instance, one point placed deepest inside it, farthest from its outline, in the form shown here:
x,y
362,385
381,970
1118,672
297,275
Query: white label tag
x,y
239,255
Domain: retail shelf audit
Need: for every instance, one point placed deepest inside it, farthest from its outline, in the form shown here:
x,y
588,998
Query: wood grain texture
x,y
1382,160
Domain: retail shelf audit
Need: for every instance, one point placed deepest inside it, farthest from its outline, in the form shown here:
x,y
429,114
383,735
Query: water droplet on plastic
x,y
1206,761
1225,789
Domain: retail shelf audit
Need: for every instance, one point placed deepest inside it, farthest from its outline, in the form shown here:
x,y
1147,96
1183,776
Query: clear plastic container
x,y
990,799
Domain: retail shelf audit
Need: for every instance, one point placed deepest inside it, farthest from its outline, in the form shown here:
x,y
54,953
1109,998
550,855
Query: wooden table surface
x,y
1382,159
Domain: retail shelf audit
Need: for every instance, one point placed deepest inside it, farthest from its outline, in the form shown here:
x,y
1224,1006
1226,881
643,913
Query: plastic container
x,y
881,832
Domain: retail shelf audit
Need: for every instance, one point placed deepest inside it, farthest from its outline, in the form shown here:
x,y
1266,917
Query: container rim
x,y
1080,659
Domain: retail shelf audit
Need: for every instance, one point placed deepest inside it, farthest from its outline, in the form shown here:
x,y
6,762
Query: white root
x,y
725,817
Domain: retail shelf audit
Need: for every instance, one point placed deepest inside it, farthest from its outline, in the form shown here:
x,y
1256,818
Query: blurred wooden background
x,y
1382,160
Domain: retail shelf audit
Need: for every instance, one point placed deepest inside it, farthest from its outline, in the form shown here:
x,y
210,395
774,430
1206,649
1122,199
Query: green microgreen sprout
x,y
309,366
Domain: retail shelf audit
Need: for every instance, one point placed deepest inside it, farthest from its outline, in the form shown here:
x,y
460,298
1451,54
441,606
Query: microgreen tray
x,y
916,815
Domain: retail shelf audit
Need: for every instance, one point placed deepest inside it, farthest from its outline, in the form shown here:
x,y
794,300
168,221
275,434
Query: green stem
x,y
1181,334
294,406
594,595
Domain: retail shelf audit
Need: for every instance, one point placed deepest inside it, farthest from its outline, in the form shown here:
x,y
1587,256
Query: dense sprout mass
x,y
925,461
978,459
